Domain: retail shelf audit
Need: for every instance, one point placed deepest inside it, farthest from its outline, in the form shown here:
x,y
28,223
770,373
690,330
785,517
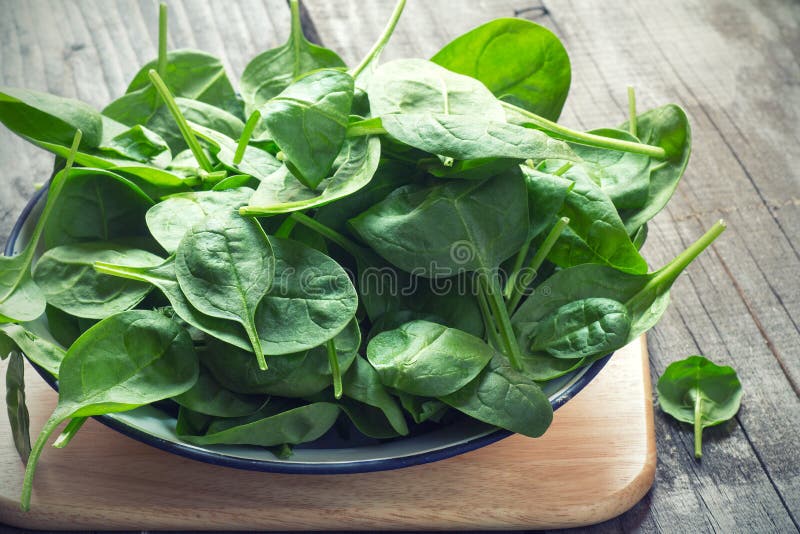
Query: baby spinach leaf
x,y
170,219
139,144
281,192
195,112
546,196
69,282
225,266
503,397
417,86
15,405
473,137
478,225
49,118
268,427
127,360
289,375
427,359
38,350
667,127
96,205
255,162
583,328
308,121
208,397
519,61
696,390
422,409
272,71
363,383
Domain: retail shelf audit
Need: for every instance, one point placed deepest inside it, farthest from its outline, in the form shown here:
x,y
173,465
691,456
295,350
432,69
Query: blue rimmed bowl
x,y
331,454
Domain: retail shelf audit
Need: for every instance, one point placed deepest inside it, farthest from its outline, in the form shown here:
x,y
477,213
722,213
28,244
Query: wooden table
x,y
733,65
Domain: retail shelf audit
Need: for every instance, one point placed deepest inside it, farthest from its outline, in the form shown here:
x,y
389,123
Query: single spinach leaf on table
x,y
272,71
427,359
519,61
125,361
208,397
695,390
281,192
504,397
289,375
308,121
225,265
275,424
16,408
66,276
667,127
41,117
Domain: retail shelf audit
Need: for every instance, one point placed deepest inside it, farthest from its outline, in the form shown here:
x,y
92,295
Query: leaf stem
x,y
69,432
328,233
162,39
334,363
36,452
585,138
371,126
698,427
247,133
488,322
180,120
382,40
525,279
286,227
632,126
255,341
670,271
491,289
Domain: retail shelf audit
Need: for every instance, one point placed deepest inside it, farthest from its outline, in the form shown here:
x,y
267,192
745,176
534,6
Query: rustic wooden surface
x,y
732,64
589,467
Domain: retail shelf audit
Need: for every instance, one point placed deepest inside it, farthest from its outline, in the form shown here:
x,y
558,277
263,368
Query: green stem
x,y
564,168
180,120
247,133
632,126
488,321
492,291
69,432
255,341
120,271
334,363
162,39
36,452
667,274
382,40
517,267
371,126
328,233
286,227
519,288
698,428
585,138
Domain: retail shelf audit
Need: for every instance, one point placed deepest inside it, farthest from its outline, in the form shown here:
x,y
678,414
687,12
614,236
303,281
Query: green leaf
x,y
49,118
363,383
17,410
255,162
139,144
208,397
506,398
427,359
518,60
546,195
38,350
127,360
308,121
696,390
69,282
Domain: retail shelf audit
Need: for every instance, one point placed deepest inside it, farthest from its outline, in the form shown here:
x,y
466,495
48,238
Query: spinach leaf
x,y
666,127
127,360
69,282
208,397
170,219
198,113
18,416
519,61
268,427
41,117
546,196
139,144
427,359
696,390
583,328
363,383
38,350
272,71
281,192
289,375
225,265
422,409
506,398
308,121
255,162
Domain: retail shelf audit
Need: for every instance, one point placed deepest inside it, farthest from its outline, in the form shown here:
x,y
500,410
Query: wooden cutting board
x,y
595,462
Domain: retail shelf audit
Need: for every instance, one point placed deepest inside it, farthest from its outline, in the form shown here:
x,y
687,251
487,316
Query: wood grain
x,y
733,65
590,465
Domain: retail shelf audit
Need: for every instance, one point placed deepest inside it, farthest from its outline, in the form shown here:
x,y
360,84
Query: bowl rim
x,y
308,468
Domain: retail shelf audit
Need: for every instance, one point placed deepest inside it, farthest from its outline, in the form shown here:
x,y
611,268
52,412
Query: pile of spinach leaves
x,y
393,245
